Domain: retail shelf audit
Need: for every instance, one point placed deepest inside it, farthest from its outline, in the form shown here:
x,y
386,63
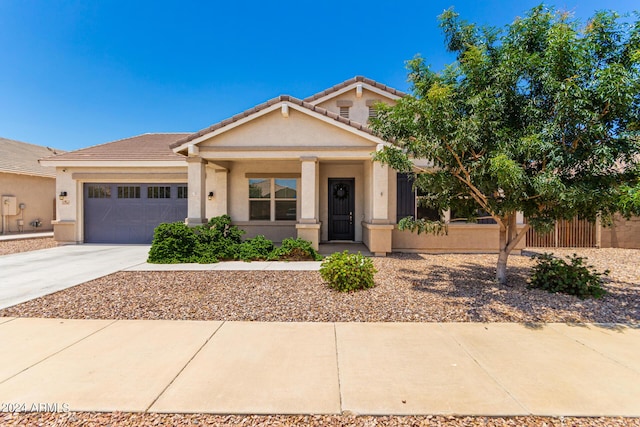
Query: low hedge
x,y
219,240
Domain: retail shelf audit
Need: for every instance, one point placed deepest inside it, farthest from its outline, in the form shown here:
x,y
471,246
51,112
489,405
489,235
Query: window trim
x,y
273,199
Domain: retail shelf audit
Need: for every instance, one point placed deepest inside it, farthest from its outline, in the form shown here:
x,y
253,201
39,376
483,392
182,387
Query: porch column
x,y
308,226
377,234
196,176
380,196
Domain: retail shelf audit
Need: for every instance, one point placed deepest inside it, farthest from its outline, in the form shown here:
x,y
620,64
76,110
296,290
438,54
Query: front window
x,y
273,199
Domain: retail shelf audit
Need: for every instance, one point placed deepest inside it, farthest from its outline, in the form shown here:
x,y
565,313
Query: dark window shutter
x,y
406,199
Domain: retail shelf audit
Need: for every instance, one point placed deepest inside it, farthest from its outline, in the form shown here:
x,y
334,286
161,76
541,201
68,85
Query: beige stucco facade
x,y
36,195
310,145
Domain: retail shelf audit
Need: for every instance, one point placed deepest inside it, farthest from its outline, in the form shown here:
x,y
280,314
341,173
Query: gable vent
x,y
344,112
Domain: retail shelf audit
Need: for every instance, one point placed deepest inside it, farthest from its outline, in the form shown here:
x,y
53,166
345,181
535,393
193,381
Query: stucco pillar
x,y
380,196
377,234
196,175
308,226
308,190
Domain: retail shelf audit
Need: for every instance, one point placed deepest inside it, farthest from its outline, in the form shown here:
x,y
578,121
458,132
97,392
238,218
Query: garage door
x,y
128,213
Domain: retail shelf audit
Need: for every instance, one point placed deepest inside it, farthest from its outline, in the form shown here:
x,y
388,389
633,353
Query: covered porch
x,y
317,198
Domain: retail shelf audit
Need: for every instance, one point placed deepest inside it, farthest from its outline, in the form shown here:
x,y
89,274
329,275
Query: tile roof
x,y
145,147
356,79
269,103
22,158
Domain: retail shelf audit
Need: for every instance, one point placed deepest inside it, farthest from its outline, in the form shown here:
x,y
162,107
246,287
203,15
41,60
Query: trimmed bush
x,y
574,278
348,272
220,240
217,239
173,243
258,248
295,250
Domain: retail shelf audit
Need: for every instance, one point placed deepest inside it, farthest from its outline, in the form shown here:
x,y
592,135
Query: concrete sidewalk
x,y
321,368
26,235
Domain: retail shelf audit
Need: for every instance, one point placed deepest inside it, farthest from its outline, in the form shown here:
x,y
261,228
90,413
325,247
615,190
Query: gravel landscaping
x,y
25,245
410,288
139,419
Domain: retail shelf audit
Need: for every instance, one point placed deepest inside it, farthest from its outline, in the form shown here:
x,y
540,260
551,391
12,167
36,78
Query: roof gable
x,y
351,84
295,129
22,158
270,106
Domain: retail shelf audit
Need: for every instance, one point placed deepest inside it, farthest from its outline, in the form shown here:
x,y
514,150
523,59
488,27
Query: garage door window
x,y
128,192
99,191
157,192
182,192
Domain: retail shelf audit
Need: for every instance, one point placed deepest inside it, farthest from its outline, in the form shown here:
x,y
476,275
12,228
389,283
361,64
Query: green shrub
x,y
573,278
220,240
348,272
217,240
258,248
295,250
172,243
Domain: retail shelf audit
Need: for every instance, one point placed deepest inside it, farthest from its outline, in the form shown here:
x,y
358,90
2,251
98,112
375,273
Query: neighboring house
x,y
27,189
285,168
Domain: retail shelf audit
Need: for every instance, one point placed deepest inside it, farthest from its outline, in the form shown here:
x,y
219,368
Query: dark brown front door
x,y
341,208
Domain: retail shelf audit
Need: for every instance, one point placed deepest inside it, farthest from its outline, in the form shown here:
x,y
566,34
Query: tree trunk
x,y
503,255
509,239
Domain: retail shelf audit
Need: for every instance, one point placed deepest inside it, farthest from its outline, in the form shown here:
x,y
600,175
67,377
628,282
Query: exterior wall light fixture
x,y
63,194
210,195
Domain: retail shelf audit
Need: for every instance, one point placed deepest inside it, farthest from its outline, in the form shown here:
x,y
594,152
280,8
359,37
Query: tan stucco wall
x,y
37,193
359,111
69,221
622,234
275,232
274,130
464,238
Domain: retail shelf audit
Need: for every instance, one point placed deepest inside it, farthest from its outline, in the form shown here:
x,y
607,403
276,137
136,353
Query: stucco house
x,y
286,168
27,189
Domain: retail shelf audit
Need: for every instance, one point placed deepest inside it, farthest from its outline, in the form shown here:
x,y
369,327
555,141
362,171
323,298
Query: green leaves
x,y
542,117
574,278
347,272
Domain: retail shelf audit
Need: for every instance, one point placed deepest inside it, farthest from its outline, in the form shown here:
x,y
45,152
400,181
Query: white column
x,y
380,190
196,176
309,190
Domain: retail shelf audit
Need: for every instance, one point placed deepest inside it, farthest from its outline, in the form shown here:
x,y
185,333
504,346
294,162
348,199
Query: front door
x,y
341,208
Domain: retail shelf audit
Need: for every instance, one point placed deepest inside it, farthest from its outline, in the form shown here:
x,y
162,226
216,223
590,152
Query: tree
x,y
540,117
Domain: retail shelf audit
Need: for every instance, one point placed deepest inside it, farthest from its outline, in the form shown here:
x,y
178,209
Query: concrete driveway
x,y
29,275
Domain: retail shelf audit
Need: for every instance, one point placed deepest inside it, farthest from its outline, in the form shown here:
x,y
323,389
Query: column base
x,y
193,222
377,238
310,232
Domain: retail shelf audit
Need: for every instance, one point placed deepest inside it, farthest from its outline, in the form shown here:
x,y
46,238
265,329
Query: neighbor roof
x,y
22,158
145,147
356,79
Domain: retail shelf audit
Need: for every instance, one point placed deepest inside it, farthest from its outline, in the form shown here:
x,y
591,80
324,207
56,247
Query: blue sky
x,y
80,73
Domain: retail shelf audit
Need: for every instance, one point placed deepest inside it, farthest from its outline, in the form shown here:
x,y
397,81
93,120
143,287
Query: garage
x,y
129,212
